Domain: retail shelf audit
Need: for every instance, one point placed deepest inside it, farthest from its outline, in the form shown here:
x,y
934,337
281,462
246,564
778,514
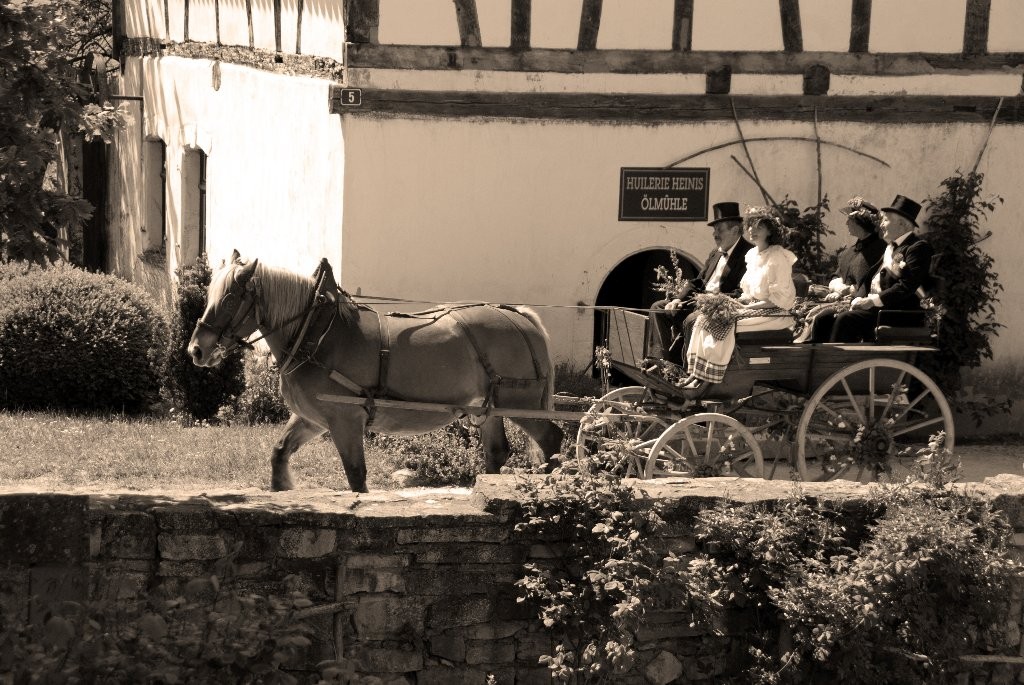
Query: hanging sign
x,y
659,194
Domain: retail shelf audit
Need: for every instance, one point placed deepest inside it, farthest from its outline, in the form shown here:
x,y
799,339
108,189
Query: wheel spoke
x,y
917,426
871,395
853,401
896,392
710,442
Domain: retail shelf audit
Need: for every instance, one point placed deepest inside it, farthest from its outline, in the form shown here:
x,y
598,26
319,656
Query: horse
x,y
475,357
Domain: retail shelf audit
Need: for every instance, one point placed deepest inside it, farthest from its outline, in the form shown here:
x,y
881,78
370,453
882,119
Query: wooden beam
x,y
682,25
976,27
364,55
298,27
216,18
792,33
912,109
521,24
277,25
248,18
186,21
860,25
167,19
816,80
119,30
362,18
590,24
469,23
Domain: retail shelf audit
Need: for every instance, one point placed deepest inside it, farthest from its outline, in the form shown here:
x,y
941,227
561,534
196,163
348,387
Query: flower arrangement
x,y
752,215
720,310
674,284
858,209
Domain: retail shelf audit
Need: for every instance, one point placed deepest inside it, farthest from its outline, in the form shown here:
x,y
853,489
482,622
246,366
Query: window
x,y
193,204
154,226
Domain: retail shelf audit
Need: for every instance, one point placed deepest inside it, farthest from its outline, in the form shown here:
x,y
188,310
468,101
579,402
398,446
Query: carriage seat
x,y
897,326
779,336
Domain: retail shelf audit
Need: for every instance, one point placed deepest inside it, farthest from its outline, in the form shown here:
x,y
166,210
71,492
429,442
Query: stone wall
x,y
415,585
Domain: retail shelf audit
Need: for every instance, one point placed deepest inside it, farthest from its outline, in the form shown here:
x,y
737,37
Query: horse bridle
x,y
234,298
237,292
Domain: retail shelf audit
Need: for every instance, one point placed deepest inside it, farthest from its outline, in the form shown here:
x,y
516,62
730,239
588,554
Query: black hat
x,y
905,207
726,211
864,213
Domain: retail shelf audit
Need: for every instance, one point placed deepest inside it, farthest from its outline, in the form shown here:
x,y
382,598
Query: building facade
x,y
446,150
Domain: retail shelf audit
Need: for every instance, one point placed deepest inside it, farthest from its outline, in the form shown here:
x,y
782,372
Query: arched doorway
x,y
631,284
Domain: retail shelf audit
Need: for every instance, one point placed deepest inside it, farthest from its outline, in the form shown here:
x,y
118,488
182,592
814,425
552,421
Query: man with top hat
x,y
906,267
722,272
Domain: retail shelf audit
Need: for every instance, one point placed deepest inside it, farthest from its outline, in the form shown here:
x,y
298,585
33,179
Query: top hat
x,y
726,211
905,207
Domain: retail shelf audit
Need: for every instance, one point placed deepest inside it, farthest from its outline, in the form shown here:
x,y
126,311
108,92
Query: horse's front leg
x,y
297,433
347,434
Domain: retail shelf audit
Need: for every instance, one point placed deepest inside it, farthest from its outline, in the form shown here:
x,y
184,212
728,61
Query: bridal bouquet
x,y
720,310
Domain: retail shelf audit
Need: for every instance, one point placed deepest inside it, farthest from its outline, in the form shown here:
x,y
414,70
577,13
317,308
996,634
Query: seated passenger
x,y
858,264
906,267
768,295
721,274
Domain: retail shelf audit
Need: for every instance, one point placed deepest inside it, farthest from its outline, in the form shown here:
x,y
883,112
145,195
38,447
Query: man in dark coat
x,y
906,268
722,272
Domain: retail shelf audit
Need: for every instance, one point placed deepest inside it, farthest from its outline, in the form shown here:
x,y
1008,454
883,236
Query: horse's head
x,y
230,314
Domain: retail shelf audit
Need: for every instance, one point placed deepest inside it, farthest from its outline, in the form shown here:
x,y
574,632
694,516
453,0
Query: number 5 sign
x,y
351,97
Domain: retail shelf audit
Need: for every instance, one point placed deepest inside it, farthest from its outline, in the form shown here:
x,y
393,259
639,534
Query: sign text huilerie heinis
x,y
655,194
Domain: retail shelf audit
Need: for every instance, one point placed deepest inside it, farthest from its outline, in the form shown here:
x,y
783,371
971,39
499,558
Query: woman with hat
x,y
905,272
768,295
858,264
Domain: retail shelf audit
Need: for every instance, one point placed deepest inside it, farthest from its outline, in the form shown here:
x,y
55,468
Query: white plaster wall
x,y
527,211
144,18
275,169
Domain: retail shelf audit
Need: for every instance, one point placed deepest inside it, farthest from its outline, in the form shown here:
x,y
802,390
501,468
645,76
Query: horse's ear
x,y
235,257
246,272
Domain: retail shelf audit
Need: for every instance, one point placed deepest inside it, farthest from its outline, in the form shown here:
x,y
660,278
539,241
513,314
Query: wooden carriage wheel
x,y
621,422
868,420
703,445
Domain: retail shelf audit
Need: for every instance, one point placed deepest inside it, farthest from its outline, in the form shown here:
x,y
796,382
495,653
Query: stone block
x,y
44,529
379,660
663,669
49,586
128,535
470,553
385,617
185,547
494,630
450,647
467,610
114,586
14,592
367,560
451,580
533,676
453,675
490,651
449,534
531,646
198,519
305,543
183,569
372,580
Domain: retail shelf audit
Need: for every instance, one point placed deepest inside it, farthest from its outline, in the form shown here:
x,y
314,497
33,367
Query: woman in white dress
x,y
768,296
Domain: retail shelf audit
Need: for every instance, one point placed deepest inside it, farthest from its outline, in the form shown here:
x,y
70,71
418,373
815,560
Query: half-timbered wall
x,y
483,160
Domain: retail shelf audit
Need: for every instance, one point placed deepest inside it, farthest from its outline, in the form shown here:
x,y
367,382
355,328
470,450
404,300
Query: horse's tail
x,y
534,318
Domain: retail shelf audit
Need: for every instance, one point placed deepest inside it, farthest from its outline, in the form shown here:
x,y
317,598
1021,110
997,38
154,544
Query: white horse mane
x,y
287,294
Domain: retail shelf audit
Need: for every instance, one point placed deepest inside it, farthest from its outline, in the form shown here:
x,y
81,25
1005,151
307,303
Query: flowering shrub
x,y
866,604
592,595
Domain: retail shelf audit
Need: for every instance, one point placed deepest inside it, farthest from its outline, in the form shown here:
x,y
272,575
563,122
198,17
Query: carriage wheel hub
x,y
875,444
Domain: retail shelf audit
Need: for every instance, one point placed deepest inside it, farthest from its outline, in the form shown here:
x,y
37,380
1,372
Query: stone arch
x,y
630,283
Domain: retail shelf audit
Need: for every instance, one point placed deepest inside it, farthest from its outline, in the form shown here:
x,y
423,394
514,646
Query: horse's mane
x,y
290,293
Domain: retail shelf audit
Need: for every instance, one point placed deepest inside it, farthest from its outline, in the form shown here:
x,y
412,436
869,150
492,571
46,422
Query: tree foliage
x,y
967,289
42,46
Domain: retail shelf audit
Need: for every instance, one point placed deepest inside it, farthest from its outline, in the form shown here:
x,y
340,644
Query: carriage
x,y
813,411
810,411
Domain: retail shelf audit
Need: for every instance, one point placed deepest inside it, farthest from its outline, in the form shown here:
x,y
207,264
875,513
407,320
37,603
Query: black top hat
x,y
905,207
726,211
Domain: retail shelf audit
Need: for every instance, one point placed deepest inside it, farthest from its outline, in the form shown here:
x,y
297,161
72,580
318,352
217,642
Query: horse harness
x,y
325,302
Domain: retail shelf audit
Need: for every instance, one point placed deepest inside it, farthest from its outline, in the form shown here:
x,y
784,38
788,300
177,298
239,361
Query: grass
x,y
52,452
55,452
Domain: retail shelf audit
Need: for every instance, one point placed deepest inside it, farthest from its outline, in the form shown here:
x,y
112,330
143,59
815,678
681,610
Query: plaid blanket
x,y
721,326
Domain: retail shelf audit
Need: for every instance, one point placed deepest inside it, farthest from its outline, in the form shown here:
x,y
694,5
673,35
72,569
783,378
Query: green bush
x,y
79,341
867,603
261,400
197,393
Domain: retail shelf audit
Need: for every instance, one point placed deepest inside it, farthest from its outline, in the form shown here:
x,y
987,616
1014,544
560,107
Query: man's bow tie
x,y
722,250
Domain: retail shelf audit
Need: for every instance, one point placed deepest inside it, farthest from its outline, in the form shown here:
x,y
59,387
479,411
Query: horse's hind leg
x,y
495,443
546,434
297,433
